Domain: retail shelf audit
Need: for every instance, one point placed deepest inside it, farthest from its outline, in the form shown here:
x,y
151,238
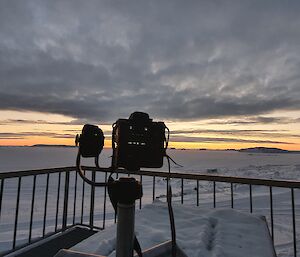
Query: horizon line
x,y
172,148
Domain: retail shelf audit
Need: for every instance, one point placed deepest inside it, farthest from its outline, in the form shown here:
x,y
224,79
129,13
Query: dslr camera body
x,y
138,142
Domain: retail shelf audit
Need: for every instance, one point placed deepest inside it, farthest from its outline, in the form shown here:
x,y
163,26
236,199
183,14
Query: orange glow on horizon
x,y
50,129
177,145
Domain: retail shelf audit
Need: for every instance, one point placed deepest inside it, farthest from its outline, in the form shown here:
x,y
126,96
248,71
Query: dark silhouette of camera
x,y
91,141
138,142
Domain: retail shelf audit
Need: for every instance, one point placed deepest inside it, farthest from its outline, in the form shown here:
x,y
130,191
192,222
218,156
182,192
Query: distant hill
x,y
43,145
266,150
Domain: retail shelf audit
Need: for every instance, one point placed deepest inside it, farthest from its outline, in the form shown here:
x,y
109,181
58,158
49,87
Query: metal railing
x,y
68,201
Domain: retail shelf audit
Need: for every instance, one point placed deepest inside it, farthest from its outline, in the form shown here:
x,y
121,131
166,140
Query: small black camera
x,y
138,142
91,141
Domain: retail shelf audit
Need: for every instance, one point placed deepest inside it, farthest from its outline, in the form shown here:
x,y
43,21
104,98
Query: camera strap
x,y
114,198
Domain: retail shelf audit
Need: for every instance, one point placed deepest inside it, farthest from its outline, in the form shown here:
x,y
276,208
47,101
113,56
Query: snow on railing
x,y
35,204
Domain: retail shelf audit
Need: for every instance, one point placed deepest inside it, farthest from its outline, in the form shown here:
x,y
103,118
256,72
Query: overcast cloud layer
x,y
101,60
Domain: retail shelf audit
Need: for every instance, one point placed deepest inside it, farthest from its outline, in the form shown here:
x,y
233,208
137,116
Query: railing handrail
x,y
206,177
191,176
23,173
64,181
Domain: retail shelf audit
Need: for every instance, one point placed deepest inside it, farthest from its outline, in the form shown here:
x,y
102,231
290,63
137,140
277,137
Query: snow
x,y
200,232
270,166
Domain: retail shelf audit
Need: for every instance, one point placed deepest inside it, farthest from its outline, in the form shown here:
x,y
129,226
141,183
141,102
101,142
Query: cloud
x,y
67,134
238,132
226,140
100,60
14,138
22,135
22,122
256,120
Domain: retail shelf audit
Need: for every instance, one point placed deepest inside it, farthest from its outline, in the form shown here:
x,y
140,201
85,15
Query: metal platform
x,y
48,247
160,250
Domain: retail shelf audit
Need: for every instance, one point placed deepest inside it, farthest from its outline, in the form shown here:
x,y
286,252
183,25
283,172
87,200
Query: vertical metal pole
x,y
66,200
32,208
17,213
75,198
82,200
250,192
231,189
57,200
1,194
271,207
127,191
182,191
115,218
125,230
294,223
104,203
92,200
168,178
45,206
141,180
214,183
153,189
197,192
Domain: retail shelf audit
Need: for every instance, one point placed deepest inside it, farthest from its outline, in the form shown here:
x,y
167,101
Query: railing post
x,y
92,203
66,200
17,212
271,212
75,198
182,191
45,207
153,189
294,223
82,199
140,204
214,184
32,208
104,202
231,192
57,199
1,194
168,178
197,192
250,195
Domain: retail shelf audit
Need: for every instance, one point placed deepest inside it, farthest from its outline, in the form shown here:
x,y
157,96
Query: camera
x,y
138,142
91,141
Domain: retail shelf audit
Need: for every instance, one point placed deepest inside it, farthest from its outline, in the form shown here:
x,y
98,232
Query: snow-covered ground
x,y
272,166
200,233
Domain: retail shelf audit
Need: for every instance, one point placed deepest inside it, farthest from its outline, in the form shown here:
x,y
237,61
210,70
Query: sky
x,y
221,74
